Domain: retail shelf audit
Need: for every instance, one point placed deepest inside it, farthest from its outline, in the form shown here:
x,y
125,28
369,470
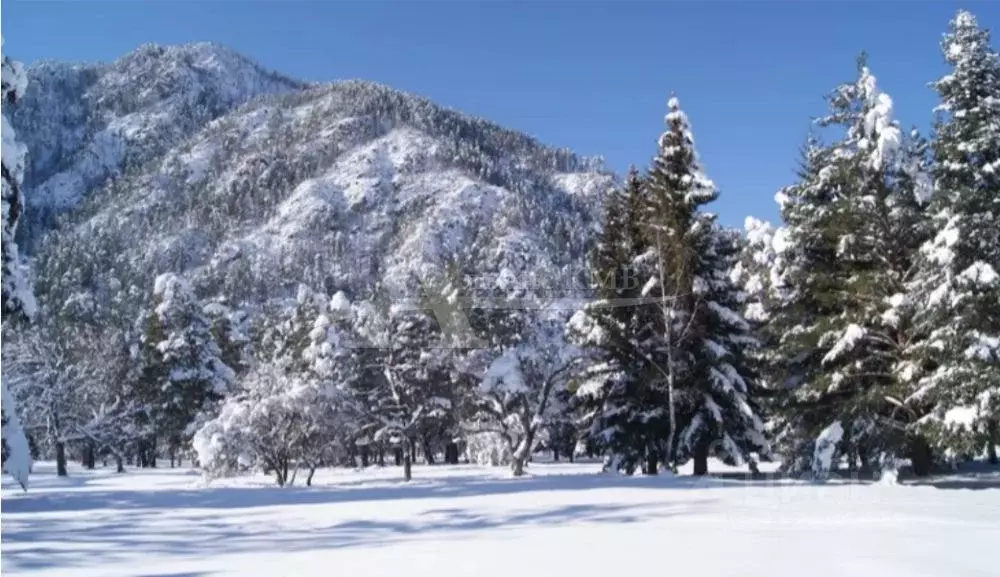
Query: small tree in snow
x,y
184,369
414,366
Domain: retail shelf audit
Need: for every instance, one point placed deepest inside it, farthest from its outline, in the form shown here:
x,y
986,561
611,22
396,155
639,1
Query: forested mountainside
x,y
342,186
86,123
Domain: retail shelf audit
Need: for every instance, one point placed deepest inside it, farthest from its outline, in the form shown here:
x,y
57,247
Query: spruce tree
x,y
958,285
701,342
843,325
618,397
184,371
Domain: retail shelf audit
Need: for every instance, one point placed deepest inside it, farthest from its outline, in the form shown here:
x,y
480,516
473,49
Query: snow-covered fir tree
x,y
703,341
842,322
957,291
619,395
185,373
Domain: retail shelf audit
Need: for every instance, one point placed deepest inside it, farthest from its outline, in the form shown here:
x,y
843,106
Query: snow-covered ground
x,y
465,521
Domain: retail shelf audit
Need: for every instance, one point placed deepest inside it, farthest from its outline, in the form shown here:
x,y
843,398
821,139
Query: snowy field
x,y
465,521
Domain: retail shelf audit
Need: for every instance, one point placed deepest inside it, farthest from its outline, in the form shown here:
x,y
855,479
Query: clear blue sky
x,y
592,76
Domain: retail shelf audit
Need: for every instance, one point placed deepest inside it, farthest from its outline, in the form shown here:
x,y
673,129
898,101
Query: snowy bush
x,y
487,449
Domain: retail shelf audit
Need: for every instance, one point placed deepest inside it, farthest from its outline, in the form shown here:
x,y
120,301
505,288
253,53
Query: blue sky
x,y
592,76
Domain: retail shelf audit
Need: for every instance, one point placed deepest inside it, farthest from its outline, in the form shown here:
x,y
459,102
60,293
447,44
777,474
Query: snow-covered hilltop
x,y
223,168
85,123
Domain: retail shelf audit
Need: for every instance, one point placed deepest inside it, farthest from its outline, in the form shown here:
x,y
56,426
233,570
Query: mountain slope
x,y
351,185
86,123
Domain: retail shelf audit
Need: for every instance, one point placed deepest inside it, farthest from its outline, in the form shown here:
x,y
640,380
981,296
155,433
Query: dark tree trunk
x,y
920,456
570,456
89,456
652,461
428,452
413,451
309,479
119,465
992,440
451,453
555,454
381,456
407,466
397,455
61,459
364,456
701,459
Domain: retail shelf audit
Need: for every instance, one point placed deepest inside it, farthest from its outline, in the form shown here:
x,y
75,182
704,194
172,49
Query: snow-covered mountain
x,y
195,160
85,123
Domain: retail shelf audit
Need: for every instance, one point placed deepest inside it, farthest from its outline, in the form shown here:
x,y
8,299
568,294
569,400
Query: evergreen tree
x,y
701,343
617,396
843,325
185,373
958,285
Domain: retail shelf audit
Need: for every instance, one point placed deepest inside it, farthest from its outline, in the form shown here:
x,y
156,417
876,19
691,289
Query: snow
x,y
18,463
504,374
826,448
960,416
847,341
979,274
455,521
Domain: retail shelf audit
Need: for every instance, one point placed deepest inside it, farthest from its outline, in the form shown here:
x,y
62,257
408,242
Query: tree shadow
x,y
118,536
341,492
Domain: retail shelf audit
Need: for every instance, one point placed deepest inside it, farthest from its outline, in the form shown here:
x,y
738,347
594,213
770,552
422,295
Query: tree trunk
x,y
407,466
309,479
520,454
555,454
428,453
364,456
89,456
61,459
119,465
451,453
651,464
920,456
397,455
570,456
992,440
701,459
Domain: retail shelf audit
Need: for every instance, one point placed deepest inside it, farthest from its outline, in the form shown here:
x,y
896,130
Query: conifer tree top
x,y
677,161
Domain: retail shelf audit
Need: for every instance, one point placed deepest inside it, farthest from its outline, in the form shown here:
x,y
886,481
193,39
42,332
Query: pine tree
x,y
958,285
702,342
185,371
846,335
617,395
